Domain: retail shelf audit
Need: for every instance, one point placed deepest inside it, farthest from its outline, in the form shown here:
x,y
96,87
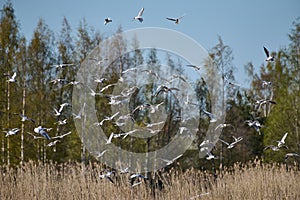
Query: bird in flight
x,y
139,16
13,78
107,20
40,130
231,145
169,162
11,132
194,66
269,57
176,20
282,141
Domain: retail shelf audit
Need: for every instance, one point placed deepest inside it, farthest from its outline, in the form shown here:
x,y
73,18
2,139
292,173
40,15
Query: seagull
x,y
62,136
108,141
61,66
255,124
106,87
195,67
61,107
139,16
100,80
222,125
163,88
266,83
176,20
154,124
57,113
210,155
150,72
211,116
40,130
72,83
124,171
107,20
58,80
141,107
79,115
169,162
13,78
269,57
34,137
264,101
100,154
231,145
290,155
130,132
13,131
107,118
25,118
282,141
274,148
134,176
107,176
62,122
52,143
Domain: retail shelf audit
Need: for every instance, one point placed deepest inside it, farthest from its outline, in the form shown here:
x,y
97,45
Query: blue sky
x,y
246,26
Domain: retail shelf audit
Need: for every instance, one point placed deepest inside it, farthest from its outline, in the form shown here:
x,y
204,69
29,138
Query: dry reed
x,y
73,181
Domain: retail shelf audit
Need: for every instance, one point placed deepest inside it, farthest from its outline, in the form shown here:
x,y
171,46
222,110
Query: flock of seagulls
x,y
119,120
140,18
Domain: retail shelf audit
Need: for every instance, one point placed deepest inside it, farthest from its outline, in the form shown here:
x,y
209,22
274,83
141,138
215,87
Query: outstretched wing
x,y
172,19
141,12
266,51
14,75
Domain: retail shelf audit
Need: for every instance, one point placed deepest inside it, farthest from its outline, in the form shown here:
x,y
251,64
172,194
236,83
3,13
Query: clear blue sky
x,y
244,25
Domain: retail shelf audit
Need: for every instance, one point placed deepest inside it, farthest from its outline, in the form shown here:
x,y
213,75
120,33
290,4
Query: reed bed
x,y
74,181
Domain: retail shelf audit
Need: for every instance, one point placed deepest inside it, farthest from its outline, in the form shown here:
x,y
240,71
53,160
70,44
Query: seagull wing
x,y
141,12
284,136
266,51
14,75
172,19
224,142
181,16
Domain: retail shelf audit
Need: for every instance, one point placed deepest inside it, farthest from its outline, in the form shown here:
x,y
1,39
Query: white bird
x,y
197,68
130,132
165,89
62,136
274,148
79,115
62,122
34,137
139,16
150,125
100,154
13,78
282,141
255,124
290,155
61,66
124,171
138,176
106,87
100,80
57,113
266,83
210,115
210,155
169,162
107,20
40,130
222,125
61,107
269,57
13,131
108,141
72,83
106,118
231,145
52,143
176,20
25,118
107,176
58,80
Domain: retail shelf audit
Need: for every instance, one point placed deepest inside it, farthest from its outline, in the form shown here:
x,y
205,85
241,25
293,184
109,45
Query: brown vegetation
x,y
72,181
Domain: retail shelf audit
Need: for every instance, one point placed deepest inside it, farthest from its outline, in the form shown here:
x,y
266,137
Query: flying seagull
x,y
195,67
24,118
176,20
62,136
107,176
231,145
13,78
139,16
40,130
282,141
269,57
61,66
107,20
290,155
13,131
169,162
211,116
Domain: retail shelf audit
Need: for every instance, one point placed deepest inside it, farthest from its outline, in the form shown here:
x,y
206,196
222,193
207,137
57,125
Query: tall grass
x,y
72,181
